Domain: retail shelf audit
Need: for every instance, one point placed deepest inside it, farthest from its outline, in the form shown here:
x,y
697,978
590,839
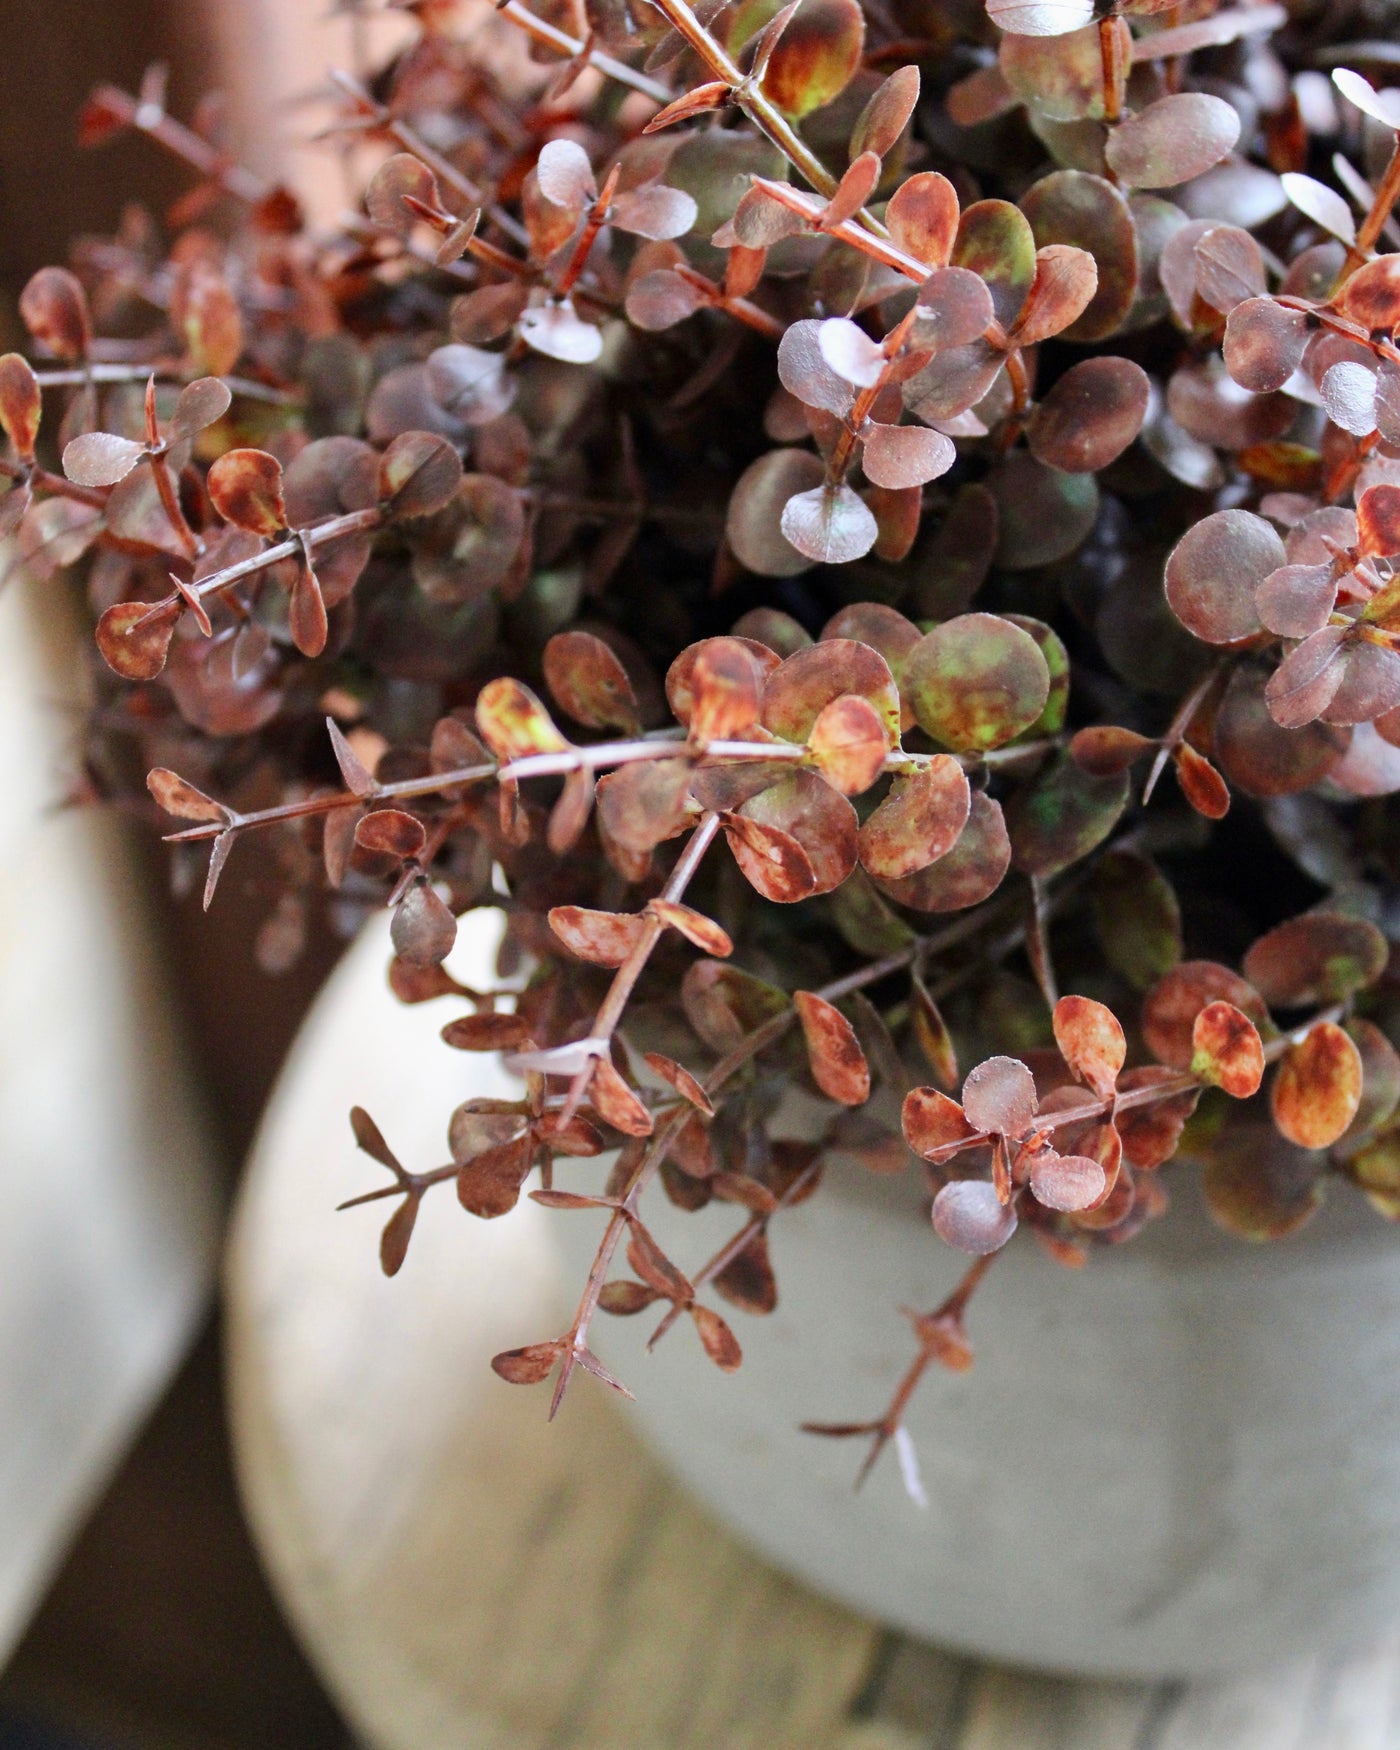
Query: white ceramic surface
x,y
109,1232
1178,1460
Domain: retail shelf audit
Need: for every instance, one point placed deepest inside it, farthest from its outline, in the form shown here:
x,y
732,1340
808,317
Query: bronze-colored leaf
x,y
1227,1050
246,489
391,832
615,1103
1317,1089
1091,1042
605,938
486,1031
919,821
720,1343
838,1063
704,932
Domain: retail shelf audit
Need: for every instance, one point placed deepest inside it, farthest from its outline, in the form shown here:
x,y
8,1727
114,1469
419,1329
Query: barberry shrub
x,y
762,497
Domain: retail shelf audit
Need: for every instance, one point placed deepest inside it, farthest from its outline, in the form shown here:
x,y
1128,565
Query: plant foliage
x,y
762,497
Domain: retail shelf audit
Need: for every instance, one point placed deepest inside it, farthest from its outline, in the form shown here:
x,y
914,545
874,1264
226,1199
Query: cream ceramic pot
x,y
1178,1460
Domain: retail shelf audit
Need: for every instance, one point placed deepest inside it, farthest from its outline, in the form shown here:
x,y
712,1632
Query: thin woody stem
x,y
184,143
54,483
626,976
551,37
748,97
607,1018
543,765
1386,196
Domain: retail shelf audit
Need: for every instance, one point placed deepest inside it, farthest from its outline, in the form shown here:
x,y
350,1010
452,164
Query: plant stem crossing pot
x,y
1178,1460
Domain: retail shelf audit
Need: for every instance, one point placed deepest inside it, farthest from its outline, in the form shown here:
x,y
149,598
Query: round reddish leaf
x,y
1264,343
1371,297
886,115
816,57
134,638
966,875
528,1366
823,824
919,821
485,1032
589,682
934,1126
1150,1133
838,1063
897,456
1172,140
1078,208
830,524
1227,1050
176,797
1091,1042
423,929
773,860
1201,784
704,932
605,938
21,403
1066,279
1214,571
1320,957
1259,1186
391,832
848,744
999,1097
614,1101
955,309
1170,1008
995,241
101,458
1091,415
801,687
200,404
1105,750
398,177
1378,519
513,723
1304,684
969,1216
54,308
1067,1182
725,685
1317,1089
976,682
419,474
756,507
716,1338
922,217
246,488
1296,600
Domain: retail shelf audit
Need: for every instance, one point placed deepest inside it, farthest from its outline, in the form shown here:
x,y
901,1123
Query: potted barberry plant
x,y
868,537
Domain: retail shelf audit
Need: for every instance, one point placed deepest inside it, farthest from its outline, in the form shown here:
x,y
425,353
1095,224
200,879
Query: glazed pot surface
x,y
1177,1460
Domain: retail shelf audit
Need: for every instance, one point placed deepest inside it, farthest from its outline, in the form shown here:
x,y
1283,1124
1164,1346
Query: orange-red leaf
x,y
1227,1050
1091,1042
1318,1087
838,1063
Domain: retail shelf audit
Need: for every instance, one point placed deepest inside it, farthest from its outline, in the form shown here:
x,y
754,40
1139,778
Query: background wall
x,y
160,1630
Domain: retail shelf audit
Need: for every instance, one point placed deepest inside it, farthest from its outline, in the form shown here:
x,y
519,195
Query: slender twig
x,y
551,37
